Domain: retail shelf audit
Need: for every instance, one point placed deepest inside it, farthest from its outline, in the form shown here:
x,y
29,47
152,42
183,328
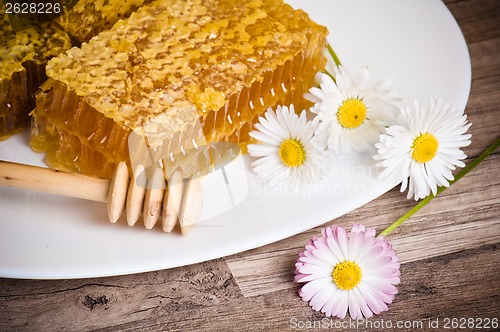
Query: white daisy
x,y
348,272
424,148
289,153
352,111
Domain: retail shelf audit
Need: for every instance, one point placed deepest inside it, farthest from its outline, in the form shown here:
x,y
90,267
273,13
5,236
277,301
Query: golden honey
x,y
172,67
23,55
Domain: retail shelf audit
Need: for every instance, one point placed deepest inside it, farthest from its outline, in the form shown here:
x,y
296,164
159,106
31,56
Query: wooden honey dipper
x,y
181,201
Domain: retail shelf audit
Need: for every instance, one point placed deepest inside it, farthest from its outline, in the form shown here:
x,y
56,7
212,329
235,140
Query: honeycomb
x,y
83,19
170,68
23,55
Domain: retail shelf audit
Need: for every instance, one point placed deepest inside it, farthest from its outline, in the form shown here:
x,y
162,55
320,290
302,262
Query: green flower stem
x,y
426,200
334,58
333,55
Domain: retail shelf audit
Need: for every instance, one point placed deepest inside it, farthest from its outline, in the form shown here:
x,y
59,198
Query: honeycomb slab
x,y
170,68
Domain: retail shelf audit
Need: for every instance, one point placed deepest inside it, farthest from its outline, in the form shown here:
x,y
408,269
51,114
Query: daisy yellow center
x,y
292,153
424,148
346,275
351,113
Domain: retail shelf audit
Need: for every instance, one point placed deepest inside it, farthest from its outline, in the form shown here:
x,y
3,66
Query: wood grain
x,y
449,249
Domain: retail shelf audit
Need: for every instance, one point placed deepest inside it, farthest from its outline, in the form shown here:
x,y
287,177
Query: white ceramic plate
x,y
416,43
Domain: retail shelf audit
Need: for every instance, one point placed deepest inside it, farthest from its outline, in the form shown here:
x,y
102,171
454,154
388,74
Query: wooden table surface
x,y
449,250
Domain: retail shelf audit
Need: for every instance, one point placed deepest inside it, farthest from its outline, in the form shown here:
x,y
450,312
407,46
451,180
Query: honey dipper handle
x,y
52,181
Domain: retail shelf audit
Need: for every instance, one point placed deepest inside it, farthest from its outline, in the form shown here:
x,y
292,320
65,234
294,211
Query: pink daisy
x,y
341,272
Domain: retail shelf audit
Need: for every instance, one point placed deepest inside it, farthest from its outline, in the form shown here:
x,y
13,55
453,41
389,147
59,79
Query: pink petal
x,y
315,269
342,240
354,310
328,307
365,310
376,305
357,228
335,249
311,288
342,305
319,300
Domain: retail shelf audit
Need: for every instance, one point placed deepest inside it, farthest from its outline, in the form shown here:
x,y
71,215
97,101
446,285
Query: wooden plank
x,y
478,19
484,59
87,304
